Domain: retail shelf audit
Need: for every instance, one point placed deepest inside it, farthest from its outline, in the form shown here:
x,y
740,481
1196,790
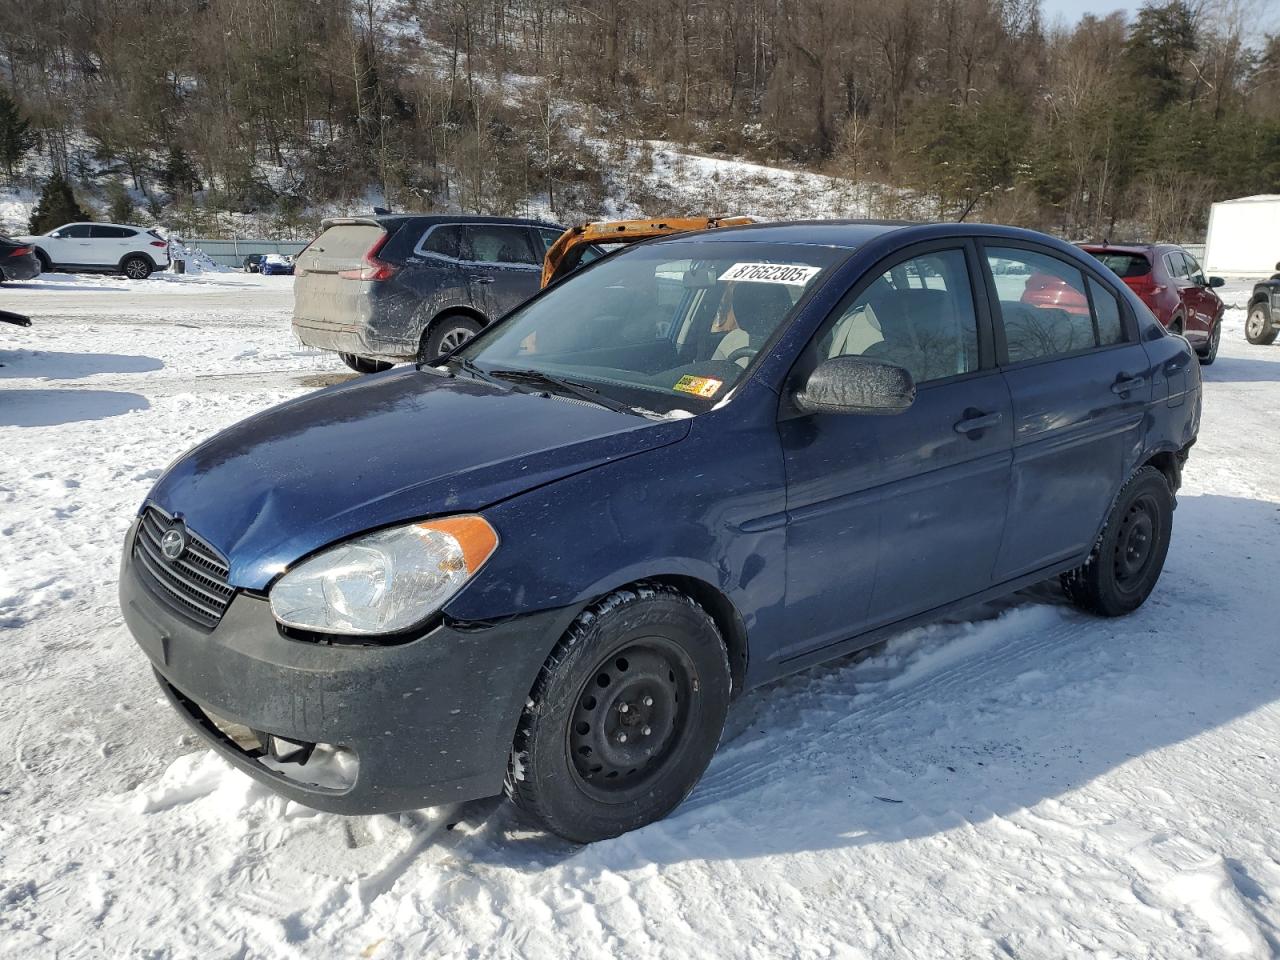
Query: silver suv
x,y
387,289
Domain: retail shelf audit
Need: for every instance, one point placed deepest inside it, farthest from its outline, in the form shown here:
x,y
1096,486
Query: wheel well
x,y
1168,464
1261,298
131,255
443,315
727,620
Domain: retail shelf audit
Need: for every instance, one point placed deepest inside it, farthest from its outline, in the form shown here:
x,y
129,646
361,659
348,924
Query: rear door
x,y
889,516
110,244
1080,384
320,293
503,269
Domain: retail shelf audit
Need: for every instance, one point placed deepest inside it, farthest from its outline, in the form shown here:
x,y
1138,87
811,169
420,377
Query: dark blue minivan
x,y
548,562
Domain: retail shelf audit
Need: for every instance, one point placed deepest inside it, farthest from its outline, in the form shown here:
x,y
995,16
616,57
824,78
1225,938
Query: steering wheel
x,y
740,353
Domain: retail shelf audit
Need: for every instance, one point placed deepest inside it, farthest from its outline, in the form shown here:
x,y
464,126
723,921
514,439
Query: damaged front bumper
x,y
414,724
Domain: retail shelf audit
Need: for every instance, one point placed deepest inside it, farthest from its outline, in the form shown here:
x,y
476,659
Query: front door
x,y
71,245
503,270
1080,383
890,516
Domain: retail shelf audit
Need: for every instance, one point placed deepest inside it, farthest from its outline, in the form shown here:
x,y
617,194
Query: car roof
x,y
390,220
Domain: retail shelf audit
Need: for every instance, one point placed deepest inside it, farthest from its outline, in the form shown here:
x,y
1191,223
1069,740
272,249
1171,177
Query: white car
x,y
107,247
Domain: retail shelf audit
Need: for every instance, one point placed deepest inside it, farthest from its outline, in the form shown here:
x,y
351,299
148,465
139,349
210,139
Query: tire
x,y
1126,561
1258,328
584,767
364,364
1211,351
136,268
446,335
46,265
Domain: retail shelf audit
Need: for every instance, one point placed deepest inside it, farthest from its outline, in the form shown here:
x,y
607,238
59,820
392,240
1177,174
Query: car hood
x,y
383,449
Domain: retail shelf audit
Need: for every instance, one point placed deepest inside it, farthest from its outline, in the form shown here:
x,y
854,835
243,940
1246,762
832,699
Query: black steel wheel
x,y
624,717
1127,560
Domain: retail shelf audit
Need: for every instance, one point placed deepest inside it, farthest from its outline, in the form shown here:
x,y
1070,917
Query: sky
x,y
1071,10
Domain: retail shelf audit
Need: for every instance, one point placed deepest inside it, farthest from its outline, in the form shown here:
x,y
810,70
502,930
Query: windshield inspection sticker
x,y
698,386
789,273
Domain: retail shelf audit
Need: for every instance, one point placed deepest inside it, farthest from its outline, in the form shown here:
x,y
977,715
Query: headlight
x,y
384,582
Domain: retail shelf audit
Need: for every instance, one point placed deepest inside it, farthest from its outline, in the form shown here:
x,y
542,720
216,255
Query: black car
x,y
390,289
253,263
1263,321
18,261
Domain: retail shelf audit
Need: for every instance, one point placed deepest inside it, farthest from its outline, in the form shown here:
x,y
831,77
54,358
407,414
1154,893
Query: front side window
x,y
1194,270
1043,304
546,238
500,244
76,230
918,314
663,326
1177,265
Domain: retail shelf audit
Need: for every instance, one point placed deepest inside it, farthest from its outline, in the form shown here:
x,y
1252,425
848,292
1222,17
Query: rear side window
x,y
444,241
500,244
97,232
1125,265
918,314
1044,304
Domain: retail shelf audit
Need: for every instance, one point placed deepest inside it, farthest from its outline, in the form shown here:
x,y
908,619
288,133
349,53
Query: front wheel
x,y
1258,328
1211,351
624,717
1129,555
364,364
136,268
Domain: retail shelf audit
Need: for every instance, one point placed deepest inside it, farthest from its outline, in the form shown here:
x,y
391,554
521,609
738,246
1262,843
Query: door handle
x,y
980,422
1126,384
481,279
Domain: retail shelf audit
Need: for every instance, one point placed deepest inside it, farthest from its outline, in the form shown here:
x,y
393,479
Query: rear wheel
x,y
136,268
445,336
1258,329
1211,349
45,264
624,717
364,364
1129,555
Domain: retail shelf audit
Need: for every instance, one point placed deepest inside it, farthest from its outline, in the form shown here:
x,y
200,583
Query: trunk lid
x,y
321,293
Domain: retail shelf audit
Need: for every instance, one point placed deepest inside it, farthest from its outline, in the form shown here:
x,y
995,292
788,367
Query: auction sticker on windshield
x,y
788,273
698,386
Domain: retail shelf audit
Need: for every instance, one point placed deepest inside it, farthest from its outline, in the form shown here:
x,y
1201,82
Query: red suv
x,y
1171,282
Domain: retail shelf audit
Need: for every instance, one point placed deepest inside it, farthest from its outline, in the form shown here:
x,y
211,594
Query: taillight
x,y
21,252
159,243
373,268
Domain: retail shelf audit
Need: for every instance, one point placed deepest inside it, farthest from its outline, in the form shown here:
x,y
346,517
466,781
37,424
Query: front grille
x,y
195,584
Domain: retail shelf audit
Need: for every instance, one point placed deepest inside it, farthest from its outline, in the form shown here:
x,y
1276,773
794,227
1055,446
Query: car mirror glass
x,y
857,385
1216,282
699,278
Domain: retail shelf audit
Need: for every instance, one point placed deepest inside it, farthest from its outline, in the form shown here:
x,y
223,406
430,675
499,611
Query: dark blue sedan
x,y
549,562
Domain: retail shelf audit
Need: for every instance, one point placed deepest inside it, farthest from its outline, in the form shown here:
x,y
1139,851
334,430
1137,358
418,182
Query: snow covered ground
x,y
1026,782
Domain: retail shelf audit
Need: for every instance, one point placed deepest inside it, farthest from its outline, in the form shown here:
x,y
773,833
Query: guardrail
x,y
231,253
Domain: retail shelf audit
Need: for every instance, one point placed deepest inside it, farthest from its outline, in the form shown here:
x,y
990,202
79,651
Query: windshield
x,y
661,327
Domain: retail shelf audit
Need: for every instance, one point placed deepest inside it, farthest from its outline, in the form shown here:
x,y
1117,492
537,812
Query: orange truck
x,y
587,241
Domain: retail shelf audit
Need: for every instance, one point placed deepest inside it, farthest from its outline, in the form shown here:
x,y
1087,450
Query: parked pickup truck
x,y
1263,322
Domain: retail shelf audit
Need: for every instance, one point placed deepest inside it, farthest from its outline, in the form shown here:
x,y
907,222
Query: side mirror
x,y
857,385
54,234
1216,282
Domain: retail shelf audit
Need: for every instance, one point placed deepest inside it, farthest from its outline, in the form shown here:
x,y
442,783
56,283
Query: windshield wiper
x,y
580,390
467,365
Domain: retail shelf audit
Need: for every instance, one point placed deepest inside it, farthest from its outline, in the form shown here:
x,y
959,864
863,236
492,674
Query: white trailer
x,y
1244,236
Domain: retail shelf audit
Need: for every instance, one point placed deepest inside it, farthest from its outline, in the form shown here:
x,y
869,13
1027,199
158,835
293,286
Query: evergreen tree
x,y
16,137
179,174
57,206
120,207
